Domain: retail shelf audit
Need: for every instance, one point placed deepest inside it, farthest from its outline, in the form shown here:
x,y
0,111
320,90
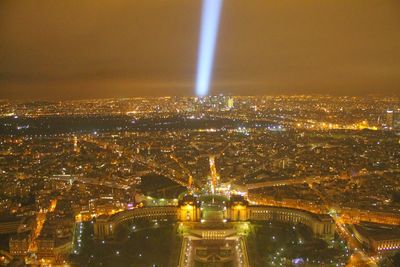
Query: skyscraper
x,y
393,119
230,103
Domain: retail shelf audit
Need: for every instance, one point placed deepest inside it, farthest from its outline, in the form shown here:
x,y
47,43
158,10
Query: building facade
x,y
321,225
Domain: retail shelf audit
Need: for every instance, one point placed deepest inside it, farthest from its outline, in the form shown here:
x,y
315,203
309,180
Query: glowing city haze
x,y
211,13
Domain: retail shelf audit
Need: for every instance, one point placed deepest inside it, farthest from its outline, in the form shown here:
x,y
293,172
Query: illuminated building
x,y
104,205
396,120
230,103
378,238
213,247
189,209
45,247
19,244
393,119
76,147
14,224
53,250
237,209
104,225
389,119
10,226
321,225
55,240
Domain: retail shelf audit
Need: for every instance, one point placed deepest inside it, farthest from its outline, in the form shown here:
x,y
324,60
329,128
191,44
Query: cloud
x,y
94,48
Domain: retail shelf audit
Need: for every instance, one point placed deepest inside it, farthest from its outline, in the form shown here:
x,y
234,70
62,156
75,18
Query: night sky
x,y
67,49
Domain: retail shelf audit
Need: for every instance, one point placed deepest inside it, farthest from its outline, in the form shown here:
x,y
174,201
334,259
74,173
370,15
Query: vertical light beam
x,y
211,13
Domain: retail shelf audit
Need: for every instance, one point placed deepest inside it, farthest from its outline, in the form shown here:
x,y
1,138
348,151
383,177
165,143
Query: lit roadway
x,y
241,252
93,182
288,181
214,174
40,220
359,257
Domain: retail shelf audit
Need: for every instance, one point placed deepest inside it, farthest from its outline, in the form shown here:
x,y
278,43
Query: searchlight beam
x,y
210,18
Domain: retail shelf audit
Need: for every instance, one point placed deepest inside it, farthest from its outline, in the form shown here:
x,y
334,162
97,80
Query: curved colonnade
x,y
105,225
321,225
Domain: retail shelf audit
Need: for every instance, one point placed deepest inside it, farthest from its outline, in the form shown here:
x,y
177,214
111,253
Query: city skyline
x,y
200,133
187,181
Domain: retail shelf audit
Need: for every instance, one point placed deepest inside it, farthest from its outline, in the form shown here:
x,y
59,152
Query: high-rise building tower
x,y
190,183
389,119
396,120
76,148
393,119
230,103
